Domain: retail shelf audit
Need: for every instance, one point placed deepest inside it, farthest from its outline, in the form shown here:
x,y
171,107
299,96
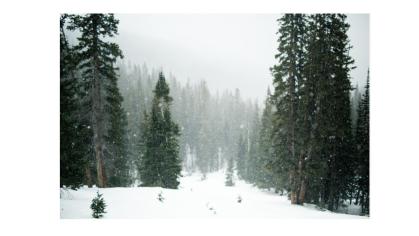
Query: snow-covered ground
x,y
195,198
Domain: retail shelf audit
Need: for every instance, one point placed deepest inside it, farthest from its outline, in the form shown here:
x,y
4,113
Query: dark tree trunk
x,y
302,193
293,192
97,116
88,173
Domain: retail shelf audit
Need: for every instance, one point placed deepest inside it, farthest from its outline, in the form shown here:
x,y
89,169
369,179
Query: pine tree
x,y
312,136
314,71
206,149
241,158
96,63
355,100
142,142
362,150
253,149
98,206
288,76
131,87
161,164
160,197
327,105
265,178
116,137
230,173
73,145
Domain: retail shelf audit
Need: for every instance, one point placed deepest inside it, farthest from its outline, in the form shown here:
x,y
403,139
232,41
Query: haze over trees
x,y
125,124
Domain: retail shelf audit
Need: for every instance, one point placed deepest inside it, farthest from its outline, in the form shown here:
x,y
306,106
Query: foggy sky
x,y
228,51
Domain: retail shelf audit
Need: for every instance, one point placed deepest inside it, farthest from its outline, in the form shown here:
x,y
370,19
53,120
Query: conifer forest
x,y
145,141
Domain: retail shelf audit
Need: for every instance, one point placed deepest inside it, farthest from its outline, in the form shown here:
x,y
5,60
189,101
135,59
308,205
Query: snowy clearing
x,y
195,198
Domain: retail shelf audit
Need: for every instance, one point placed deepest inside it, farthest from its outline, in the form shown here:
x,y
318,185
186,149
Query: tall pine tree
x,y
161,165
328,112
116,138
74,147
265,178
288,76
97,57
363,150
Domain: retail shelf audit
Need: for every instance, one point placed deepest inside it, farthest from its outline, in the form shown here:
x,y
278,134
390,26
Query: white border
x,y
30,125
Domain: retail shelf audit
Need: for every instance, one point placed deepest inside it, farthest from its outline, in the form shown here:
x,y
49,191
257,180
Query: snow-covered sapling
x,y
160,197
213,210
98,206
239,199
203,177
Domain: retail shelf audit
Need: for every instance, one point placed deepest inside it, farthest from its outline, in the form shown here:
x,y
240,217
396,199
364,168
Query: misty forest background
x,y
124,124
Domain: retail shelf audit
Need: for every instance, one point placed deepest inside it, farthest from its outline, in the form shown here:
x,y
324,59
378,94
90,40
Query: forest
x,y
130,125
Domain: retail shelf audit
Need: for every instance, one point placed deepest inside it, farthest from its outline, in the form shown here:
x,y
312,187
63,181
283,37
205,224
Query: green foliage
x,y
362,150
313,138
97,113
74,145
210,123
330,168
252,157
265,176
306,144
161,165
287,136
98,206
118,168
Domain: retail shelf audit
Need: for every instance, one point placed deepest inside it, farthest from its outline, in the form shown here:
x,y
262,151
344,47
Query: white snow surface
x,y
195,198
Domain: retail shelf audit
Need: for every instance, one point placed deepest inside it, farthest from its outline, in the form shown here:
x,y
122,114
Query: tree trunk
x,y
294,197
357,197
294,187
302,193
302,179
97,116
89,180
98,132
99,166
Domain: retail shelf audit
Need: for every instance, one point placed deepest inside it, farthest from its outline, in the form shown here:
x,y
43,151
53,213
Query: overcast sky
x,y
228,51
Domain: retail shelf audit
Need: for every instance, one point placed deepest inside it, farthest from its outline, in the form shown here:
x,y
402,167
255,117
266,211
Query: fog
x,y
228,51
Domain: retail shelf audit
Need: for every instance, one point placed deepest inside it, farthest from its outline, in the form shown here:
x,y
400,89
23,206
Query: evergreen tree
x,y
314,72
333,102
288,76
265,178
241,158
161,164
73,145
142,142
132,90
327,106
230,173
312,137
253,149
96,58
355,100
98,206
362,150
116,138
